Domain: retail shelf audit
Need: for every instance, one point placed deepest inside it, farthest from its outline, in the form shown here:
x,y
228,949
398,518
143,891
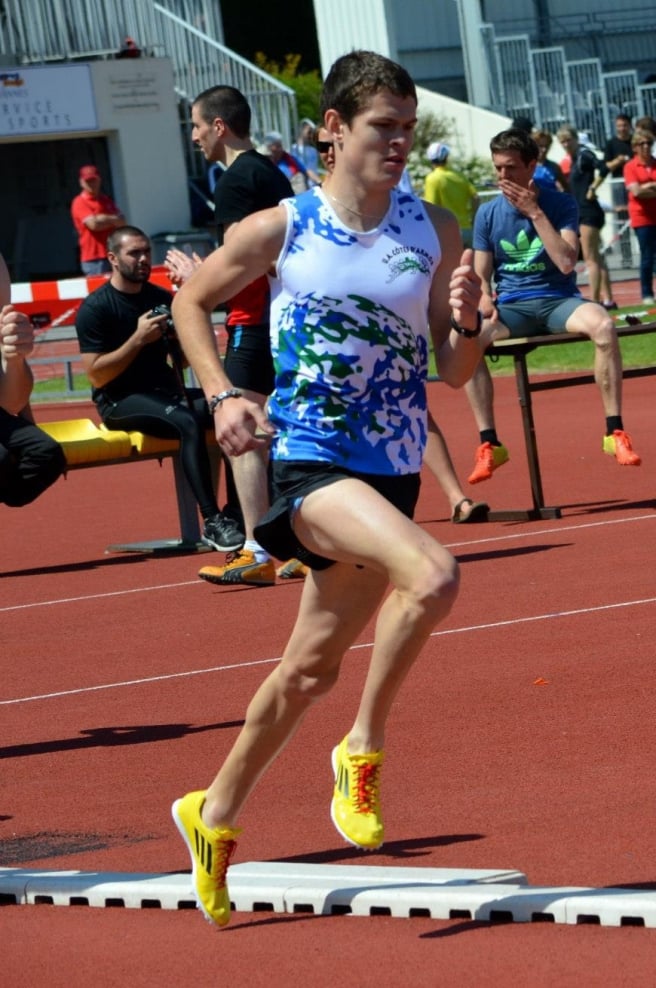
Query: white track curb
x,y
437,893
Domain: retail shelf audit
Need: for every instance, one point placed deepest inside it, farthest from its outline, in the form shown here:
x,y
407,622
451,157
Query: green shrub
x,y
431,128
306,85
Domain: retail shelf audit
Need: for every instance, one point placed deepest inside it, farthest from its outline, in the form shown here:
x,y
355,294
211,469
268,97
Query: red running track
x,y
128,678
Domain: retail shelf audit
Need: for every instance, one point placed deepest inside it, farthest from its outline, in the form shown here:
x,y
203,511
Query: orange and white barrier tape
x,y
55,303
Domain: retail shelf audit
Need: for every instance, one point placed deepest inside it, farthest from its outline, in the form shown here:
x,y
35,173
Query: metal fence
x,y
550,89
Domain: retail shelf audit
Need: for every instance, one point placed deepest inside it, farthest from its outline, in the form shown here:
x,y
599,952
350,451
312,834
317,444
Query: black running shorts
x,y
291,482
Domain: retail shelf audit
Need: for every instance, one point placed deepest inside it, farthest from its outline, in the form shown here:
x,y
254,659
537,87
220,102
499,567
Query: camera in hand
x,y
169,337
163,310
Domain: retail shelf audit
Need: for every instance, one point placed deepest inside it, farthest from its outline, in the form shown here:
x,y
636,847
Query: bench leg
x,y
538,511
189,540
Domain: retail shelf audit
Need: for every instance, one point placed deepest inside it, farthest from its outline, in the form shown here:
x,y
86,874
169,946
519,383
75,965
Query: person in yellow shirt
x,y
445,187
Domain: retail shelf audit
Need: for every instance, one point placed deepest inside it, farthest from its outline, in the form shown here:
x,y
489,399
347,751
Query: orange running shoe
x,y
293,569
488,458
619,445
241,567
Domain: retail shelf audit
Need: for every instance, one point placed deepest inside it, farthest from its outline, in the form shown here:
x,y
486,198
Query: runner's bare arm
x,y
251,250
455,291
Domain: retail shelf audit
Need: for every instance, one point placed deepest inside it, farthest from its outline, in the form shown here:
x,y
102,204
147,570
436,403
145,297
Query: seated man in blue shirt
x,y
526,247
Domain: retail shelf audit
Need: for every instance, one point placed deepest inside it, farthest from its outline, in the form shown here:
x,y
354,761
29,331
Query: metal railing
x,y
189,32
67,389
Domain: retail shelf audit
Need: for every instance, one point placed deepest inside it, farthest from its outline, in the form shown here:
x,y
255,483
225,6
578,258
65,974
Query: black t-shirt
x,y
105,320
252,182
615,147
582,175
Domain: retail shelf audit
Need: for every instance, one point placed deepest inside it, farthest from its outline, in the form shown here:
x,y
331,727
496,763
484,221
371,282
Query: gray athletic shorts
x,y
537,316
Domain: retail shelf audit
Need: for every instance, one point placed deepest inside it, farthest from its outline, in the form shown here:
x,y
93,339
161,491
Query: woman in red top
x,y
640,181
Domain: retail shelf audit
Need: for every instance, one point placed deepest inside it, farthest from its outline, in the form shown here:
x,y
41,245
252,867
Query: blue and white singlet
x,y
349,336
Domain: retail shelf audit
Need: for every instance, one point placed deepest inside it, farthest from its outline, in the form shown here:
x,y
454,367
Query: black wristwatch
x,y
469,334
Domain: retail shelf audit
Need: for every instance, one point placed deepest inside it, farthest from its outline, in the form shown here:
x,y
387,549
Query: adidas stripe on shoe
x,y
210,851
355,807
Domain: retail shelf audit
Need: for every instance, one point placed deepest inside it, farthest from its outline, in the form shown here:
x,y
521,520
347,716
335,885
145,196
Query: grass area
x,y
637,351
55,388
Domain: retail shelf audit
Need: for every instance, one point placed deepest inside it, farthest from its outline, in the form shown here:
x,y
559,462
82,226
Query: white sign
x,y
46,100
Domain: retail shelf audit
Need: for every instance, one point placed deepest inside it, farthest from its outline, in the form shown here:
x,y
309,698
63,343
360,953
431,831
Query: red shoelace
x,y
366,788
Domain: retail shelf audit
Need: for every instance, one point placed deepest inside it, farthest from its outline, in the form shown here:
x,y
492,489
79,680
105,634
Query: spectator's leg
x,y
595,322
30,460
480,393
158,415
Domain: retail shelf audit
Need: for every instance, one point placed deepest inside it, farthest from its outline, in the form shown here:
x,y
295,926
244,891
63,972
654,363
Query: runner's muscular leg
x,y
424,578
335,605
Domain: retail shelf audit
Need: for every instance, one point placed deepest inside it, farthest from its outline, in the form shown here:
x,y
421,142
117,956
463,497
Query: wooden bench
x,y
87,445
519,349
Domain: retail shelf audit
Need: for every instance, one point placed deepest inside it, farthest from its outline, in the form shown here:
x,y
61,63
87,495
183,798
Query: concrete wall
x,y
474,128
137,109
119,114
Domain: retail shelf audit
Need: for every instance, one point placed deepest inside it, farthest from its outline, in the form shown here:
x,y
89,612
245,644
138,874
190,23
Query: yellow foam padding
x,y
150,445
84,442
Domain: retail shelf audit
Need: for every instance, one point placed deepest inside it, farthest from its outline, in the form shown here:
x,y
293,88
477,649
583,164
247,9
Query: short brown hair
x,y
356,77
518,140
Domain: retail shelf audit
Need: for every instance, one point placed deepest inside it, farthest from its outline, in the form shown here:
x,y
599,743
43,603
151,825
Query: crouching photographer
x,y
132,358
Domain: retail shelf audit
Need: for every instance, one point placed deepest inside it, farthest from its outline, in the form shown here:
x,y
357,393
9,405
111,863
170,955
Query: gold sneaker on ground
x,y
355,807
210,851
241,567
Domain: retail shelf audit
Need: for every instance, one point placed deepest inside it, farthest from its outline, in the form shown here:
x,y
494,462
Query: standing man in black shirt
x,y
125,348
617,152
221,120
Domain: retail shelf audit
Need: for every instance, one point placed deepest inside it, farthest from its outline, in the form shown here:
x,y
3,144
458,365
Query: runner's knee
x,y
304,688
434,584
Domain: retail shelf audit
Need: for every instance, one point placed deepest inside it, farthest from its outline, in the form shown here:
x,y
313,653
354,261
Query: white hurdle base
x,y
436,893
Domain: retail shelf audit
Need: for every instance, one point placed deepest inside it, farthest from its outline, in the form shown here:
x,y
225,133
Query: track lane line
x,y
257,662
447,545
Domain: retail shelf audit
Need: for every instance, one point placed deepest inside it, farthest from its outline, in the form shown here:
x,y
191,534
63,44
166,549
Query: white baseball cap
x,y
437,152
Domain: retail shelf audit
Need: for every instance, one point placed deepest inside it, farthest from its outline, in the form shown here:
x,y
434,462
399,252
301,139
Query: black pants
x,y
170,417
30,461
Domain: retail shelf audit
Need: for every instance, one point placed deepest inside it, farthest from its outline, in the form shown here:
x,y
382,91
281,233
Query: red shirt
x,y
642,212
93,243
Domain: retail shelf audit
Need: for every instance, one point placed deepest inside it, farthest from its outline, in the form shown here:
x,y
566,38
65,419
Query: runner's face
x,y
132,260
377,143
